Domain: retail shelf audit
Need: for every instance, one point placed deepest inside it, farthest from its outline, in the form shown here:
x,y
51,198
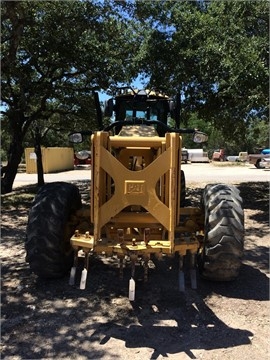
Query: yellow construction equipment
x,y
137,207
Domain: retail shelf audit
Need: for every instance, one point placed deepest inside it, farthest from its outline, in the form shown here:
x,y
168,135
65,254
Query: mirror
x,y
108,108
75,138
199,137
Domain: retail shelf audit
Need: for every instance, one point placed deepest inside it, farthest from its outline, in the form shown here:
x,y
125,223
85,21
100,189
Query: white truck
x,y
259,160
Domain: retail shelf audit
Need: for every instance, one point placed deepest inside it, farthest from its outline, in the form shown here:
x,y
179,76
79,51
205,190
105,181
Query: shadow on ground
x,y
50,319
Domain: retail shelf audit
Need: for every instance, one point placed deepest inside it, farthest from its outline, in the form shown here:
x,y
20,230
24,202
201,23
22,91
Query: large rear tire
x,y
48,248
223,246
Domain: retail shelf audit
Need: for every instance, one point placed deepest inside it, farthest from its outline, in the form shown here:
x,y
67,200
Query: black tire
x,y
183,189
259,165
48,248
223,246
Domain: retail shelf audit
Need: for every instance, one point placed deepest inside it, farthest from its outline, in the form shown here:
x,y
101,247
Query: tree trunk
x,y
40,172
14,159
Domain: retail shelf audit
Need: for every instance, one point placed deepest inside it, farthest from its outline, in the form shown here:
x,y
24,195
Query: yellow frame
x,y
138,210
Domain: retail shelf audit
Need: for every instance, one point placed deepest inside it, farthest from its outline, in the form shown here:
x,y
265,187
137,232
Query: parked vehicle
x,y
184,155
256,159
241,157
219,155
82,157
198,155
265,163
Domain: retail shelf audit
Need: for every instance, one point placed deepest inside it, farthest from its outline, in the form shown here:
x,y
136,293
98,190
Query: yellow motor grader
x,y
138,208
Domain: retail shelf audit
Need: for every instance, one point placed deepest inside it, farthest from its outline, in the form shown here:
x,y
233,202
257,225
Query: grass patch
x,y
229,163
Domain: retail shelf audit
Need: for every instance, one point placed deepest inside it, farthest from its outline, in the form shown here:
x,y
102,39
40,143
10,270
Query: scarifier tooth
x,y
193,279
120,235
121,267
72,275
85,271
74,267
181,281
181,274
146,235
146,260
83,279
133,259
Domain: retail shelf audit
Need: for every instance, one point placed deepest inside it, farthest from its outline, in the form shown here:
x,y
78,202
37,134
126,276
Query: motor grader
x,y
137,203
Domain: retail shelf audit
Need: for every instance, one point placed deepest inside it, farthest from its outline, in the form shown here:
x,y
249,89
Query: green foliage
x,y
54,55
5,138
215,53
258,134
64,51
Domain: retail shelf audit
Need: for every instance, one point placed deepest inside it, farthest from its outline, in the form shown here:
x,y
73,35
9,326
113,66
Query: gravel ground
x,y
52,320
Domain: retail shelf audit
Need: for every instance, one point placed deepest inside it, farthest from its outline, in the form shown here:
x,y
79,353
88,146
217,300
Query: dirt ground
x,y
53,320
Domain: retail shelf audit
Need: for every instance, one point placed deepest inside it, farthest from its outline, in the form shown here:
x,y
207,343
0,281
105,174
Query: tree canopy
x,y
213,54
54,54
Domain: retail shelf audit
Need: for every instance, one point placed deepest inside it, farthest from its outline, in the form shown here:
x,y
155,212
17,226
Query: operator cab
x,y
139,113
130,104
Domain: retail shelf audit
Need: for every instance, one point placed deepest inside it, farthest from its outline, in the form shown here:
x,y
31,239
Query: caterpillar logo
x,y
135,187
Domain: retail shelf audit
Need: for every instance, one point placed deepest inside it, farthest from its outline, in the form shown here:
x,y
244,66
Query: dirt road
x,y
52,320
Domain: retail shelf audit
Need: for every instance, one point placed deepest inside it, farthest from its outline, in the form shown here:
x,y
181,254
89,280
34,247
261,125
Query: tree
x,y
54,54
214,53
258,133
